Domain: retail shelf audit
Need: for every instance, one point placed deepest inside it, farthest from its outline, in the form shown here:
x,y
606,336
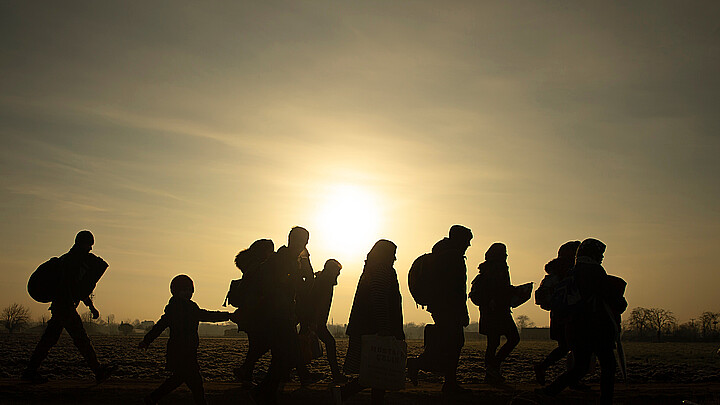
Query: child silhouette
x,y
182,316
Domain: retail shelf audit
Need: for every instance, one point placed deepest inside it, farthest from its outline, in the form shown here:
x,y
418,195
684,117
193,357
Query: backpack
x,y
477,290
566,297
45,280
544,293
422,279
236,293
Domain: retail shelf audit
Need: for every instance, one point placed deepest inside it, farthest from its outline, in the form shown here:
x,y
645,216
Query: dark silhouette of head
x,y
332,269
257,253
568,249
460,236
84,240
496,251
262,248
298,238
592,248
182,287
382,252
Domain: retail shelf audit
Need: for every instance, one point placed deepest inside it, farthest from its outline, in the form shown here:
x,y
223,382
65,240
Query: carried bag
x,y
44,282
422,280
310,348
382,362
521,294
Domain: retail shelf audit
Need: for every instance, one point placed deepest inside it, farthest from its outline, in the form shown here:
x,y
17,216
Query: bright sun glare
x,y
348,221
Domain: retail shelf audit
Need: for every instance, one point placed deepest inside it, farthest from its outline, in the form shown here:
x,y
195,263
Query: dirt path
x,y
126,392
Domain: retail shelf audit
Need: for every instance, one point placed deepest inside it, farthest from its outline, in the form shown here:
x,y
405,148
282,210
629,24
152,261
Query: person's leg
x,y
258,345
606,358
331,348
168,386
513,338
456,341
582,360
76,330
350,389
49,338
553,357
281,361
493,341
194,381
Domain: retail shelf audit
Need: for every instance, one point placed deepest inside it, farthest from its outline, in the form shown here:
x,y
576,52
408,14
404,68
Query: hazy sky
x,y
179,132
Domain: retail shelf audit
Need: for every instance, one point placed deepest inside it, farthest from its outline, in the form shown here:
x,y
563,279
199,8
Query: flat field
x,y
657,373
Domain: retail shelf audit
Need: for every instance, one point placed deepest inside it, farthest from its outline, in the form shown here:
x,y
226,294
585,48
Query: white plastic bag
x,y
382,362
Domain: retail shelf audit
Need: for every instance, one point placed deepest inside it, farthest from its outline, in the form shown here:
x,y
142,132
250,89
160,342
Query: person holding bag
x,y
376,310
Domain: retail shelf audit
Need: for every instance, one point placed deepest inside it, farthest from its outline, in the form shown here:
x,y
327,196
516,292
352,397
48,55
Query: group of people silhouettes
x,y
283,306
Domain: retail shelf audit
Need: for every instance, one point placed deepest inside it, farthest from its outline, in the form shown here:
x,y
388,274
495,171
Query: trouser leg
x,y
281,345
76,330
555,355
350,389
168,386
607,375
258,345
582,361
513,338
330,347
493,341
194,381
48,339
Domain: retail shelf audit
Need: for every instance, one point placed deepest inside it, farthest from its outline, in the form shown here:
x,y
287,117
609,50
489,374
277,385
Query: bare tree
x,y
708,322
15,316
523,321
660,319
639,320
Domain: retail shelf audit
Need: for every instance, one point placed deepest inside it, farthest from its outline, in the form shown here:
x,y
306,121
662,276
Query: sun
x,y
348,221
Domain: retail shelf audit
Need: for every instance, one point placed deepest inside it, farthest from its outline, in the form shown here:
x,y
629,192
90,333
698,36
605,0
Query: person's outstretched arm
x,y
156,330
212,316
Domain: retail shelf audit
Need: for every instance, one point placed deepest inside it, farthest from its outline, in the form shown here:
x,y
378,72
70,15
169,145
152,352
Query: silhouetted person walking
x,y
557,270
592,327
376,309
285,274
250,261
495,314
449,311
80,272
321,301
182,316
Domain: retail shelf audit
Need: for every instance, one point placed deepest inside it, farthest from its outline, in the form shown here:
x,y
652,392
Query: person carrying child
x,y
182,315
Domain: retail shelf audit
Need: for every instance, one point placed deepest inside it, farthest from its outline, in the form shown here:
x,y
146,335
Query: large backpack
x,y
422,279
45,280
566,297
477,290
544,293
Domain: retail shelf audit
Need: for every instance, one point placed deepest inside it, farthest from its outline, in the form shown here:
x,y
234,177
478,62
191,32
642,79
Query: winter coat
x,y
496,292
451,282
183,317
377,306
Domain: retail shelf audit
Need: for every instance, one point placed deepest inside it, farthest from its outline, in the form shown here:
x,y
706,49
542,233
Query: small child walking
x,y
182,316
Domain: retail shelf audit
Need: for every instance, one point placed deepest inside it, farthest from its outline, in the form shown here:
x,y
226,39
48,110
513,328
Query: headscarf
x,y
497,251
568,249
382,254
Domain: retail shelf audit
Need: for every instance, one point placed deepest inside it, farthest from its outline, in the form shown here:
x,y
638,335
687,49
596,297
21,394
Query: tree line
x,y
658,324
642,324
